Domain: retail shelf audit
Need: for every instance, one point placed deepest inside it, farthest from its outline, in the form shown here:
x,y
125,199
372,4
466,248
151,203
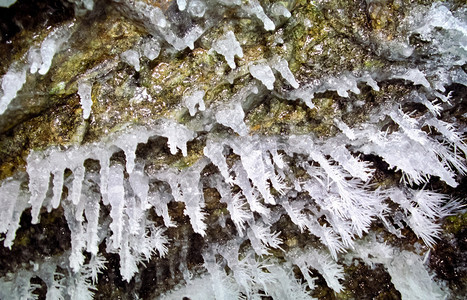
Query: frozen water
x,y
194,99
229,47
263,73
232,116
282,66
84,92
132,58
12,82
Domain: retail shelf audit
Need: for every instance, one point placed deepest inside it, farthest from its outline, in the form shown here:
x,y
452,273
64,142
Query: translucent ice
x,y
12,82
232,116
117,203
194,99
84,92
197,8
282,66
228,46
263,73
132,58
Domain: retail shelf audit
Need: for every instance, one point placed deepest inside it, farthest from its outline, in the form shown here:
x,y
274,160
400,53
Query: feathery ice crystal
x,y
325,186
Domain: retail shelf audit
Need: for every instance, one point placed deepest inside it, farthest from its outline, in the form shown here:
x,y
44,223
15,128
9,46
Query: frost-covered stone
x,y
258,175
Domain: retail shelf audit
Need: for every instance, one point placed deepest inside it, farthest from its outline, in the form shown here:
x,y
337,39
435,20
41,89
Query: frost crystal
x,y
190,176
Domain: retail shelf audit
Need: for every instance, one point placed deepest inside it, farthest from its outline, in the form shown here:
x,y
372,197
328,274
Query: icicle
x,y
78,177
181,4
193,99
84,92
228,46
9,193
254,7
151,49
104,161
263,73
12,82
39,174
232,117
214,151
282,66
91,212
51,45
116,196
177,134
57,187
132,58
139,182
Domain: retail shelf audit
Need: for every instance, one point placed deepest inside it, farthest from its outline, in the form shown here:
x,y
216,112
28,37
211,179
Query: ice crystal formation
x,y
249,148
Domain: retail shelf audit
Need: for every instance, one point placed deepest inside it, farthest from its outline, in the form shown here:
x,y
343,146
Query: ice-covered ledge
x,y
249,148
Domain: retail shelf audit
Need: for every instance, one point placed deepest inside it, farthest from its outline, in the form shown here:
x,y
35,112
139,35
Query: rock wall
x,y
217,149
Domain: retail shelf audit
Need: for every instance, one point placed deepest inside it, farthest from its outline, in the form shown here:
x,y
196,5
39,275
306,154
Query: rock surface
x,y
233,149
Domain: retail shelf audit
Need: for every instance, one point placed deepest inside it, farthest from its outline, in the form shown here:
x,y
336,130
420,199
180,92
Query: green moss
x,y
454,224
